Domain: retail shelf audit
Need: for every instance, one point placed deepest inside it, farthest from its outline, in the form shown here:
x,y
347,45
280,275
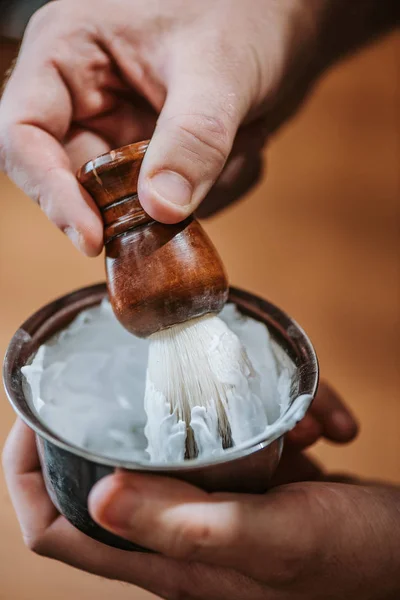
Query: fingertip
x,y
343,427
79,219
91,244
102,495
91,250
306,432
90,228
337,421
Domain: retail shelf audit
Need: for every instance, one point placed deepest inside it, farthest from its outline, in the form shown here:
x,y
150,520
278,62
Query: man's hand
x,y
200,77
300,540
208,80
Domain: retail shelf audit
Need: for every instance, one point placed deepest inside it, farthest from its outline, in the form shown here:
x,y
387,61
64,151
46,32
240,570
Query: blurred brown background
x,y
319,237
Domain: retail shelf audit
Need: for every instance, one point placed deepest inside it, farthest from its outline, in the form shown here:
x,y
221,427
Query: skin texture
x,y
210,81
227,546
95,75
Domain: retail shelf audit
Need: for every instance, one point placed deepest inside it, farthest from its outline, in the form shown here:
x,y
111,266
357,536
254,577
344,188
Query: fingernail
x,y
75,237
118,509
172,187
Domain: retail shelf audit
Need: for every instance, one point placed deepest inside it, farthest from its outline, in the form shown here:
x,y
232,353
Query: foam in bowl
x,y
87,385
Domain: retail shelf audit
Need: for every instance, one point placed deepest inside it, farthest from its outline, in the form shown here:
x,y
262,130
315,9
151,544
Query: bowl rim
x,y
38,328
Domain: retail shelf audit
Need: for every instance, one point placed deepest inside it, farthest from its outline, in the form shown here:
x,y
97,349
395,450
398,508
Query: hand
x,y
279,512
300,541
98,74
219,76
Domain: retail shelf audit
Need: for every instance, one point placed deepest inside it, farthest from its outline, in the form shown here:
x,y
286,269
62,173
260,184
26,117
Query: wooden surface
x,y
324,246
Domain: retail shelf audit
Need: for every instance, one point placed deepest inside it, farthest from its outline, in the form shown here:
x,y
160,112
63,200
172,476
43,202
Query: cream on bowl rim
x,y
38,328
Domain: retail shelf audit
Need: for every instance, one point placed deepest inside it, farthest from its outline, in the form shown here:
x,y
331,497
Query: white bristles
x,y
195,371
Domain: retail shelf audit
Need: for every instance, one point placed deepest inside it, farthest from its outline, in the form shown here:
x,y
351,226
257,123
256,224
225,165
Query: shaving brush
x,y
168,283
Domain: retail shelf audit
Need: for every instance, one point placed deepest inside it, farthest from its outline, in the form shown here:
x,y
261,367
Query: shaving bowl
x,y
70,472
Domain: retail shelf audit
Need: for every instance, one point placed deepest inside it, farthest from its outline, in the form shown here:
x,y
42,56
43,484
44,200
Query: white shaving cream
x,y
87,384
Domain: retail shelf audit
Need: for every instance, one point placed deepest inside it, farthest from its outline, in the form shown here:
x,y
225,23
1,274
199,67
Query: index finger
x,y
35,114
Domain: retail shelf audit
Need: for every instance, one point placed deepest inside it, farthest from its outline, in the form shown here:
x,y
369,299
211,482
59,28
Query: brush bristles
x,y
200,363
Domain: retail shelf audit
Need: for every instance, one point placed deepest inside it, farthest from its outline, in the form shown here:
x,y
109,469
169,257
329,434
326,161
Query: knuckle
x,y
31,542
53,18
191,540
288,568
43,17
36,544
206,138
294,558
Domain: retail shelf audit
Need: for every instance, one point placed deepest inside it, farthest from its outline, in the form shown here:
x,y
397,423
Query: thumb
x,y
186,523
171,516
190,145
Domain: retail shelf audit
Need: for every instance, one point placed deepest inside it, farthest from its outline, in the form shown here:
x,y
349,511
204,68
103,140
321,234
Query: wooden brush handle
x,y
157,275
